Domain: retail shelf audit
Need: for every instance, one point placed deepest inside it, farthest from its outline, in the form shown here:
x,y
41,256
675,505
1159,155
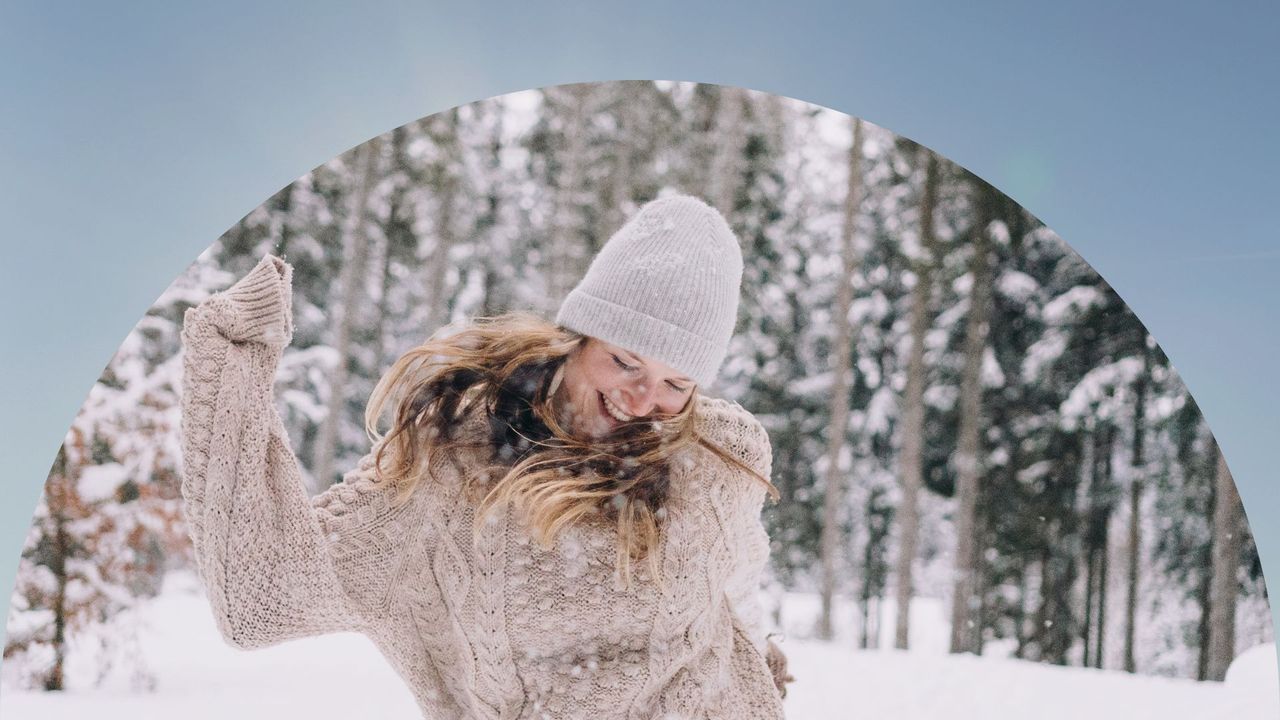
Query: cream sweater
x,y
487,625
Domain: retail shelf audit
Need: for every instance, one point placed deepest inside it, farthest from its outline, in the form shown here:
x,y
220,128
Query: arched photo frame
x,y
979,450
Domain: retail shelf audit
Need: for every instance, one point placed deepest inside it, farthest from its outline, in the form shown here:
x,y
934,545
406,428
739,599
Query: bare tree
x,y
1097,518
350,286
444,131
1227,514
565,260
964,624
726,163
913,405
830,541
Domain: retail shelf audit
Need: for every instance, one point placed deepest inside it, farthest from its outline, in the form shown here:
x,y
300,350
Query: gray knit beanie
x,y
665,286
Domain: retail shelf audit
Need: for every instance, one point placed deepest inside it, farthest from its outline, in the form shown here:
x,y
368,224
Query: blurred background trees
x,y
962,411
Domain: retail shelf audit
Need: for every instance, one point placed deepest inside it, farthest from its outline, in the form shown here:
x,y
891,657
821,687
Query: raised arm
x,y
275,566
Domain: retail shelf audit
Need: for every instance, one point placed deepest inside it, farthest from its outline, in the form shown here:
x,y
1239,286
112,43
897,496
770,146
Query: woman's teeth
x,y
614,412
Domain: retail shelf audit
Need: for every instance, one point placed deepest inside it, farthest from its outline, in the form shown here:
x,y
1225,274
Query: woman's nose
x,y
640,397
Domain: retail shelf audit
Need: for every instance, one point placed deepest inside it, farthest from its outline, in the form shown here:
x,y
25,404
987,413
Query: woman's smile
x,y
612,411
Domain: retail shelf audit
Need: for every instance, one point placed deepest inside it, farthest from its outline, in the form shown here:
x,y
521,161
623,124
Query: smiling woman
x,y
510,431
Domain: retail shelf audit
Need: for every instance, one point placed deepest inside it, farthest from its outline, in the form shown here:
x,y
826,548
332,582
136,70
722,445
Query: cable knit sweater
x,y
480,625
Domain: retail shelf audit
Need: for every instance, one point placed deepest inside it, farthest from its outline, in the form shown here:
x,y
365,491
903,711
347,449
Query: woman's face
x,y
605,386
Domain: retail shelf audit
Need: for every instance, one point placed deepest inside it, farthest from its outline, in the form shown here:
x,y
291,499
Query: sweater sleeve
x,y
751,539
738,432
274,565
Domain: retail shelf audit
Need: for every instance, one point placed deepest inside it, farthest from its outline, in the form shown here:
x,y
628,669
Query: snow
x,y
833,683
1072,304
1043,353
835,129
814,384
999,232
100,482
881,410
865,309
991,374
1095,387
942,397
344,676
199,676
26,623
1017,286
1255,667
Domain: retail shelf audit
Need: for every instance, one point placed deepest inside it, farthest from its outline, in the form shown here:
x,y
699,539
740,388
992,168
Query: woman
x,y
555,525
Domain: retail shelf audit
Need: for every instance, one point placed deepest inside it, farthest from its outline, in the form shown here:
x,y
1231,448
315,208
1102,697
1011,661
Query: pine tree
x,y
109,523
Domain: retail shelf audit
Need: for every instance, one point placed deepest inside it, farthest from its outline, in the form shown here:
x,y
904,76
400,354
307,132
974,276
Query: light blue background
x,y
133,134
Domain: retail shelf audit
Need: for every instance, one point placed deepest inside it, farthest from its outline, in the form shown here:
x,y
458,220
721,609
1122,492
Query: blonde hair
x,y
509,367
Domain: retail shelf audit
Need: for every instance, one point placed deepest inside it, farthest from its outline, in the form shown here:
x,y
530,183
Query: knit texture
x,y
664,286
487,626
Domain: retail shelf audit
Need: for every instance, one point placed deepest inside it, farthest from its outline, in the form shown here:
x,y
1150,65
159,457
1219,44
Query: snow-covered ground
x,y
343,676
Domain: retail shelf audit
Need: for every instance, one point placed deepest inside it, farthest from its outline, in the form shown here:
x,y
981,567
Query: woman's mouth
x,y
613,412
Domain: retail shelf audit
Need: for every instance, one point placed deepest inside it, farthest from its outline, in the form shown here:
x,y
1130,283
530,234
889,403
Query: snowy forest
x,y
979,448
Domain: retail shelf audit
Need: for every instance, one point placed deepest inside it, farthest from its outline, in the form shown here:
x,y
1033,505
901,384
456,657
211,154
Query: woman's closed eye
x,y
628,368
625,367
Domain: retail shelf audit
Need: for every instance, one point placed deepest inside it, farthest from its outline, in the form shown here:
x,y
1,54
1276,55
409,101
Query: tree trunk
x,y
1204,594
1102,554
565,252
1102,546
1087,626
384,299
1226,563
864,635
1041,620
726,164
1056,616
1136,486
622,178
1021,618
1104,561
830,540
868,557
1100,502
964,626
982,576
350,285
497,298
437,264
912,446
1089,466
